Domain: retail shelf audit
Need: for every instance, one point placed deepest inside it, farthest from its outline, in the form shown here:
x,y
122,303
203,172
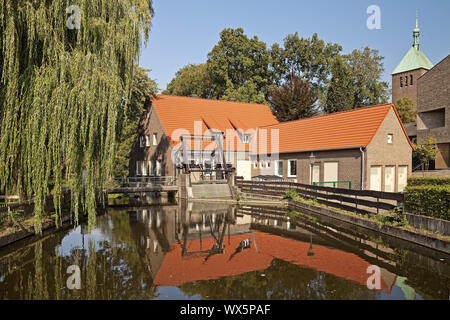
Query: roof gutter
x,y
317,150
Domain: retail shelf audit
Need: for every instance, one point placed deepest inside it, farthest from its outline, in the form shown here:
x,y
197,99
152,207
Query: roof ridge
x,y
214,100
330,114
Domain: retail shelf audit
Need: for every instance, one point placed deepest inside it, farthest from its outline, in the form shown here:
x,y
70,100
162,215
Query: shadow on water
x,y
215,251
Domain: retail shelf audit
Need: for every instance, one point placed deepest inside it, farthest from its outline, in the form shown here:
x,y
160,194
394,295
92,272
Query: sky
x,y
185,31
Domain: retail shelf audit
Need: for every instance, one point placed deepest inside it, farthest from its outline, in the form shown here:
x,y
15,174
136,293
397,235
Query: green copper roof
x,y
414,59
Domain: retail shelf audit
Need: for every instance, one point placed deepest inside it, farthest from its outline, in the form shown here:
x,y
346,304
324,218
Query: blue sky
x,y
185,31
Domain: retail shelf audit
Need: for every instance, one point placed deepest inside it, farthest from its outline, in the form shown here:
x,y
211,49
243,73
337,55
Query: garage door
x,y
244,169
375,178
402,178
389,179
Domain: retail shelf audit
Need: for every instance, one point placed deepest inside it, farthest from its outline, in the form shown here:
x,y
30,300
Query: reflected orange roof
x,y
348,129
177,270
177,113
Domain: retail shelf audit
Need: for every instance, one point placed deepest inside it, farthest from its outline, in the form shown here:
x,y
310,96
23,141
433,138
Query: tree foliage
x,y
238,67
426,152
61,92
405,109
340,92
294,100
366,68
190,80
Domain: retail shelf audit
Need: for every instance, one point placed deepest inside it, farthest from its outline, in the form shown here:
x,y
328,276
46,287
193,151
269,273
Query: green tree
x,y
142,90
189,80
293,100
309,59
340,91
62,90
426,152
238,67
366,67
405,109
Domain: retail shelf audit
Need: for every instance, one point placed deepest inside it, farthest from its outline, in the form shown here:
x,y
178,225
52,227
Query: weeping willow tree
x,y
66,69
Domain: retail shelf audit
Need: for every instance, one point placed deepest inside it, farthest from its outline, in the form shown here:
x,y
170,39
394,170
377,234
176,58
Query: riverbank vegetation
x,y
429,196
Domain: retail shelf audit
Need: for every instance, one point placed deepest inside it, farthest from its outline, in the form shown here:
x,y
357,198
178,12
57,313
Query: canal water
x,y
212,251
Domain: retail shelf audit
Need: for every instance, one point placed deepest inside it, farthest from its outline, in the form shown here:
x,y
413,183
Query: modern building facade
x,y
433,111
367,147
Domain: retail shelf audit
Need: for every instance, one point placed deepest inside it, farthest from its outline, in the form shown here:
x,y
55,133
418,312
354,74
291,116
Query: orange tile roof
x,y
177,269
177,113
347,129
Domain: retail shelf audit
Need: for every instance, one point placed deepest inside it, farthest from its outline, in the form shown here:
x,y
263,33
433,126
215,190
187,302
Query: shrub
x,y
429,200
420,181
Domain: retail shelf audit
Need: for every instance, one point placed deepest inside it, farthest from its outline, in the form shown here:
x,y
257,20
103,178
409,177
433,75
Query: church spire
x,y
416,33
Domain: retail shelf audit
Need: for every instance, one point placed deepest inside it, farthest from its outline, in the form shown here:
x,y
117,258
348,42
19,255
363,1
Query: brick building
x,y
413,65
433,111
367,146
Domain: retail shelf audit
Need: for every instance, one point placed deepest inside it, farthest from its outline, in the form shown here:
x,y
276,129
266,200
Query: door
x,y
375,178
389,179
316,173
244,169
330,173
402,178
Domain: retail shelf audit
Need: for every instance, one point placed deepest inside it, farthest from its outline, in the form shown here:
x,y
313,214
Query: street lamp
x,y
312,160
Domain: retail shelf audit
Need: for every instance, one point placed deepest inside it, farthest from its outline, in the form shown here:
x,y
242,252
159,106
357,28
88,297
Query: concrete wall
x,y
409,91
380,153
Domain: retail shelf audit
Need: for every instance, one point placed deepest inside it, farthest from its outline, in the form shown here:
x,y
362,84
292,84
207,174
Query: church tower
x,y
413,65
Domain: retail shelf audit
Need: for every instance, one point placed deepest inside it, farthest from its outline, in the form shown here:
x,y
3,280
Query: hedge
x,y
435,181
428,200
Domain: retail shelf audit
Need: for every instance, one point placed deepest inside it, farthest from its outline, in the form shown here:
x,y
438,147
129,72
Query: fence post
x,y
378,204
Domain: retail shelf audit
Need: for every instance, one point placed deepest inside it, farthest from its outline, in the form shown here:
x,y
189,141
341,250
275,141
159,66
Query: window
x,y
411,79
246,138
147,141
406,81
401,82
141,141
268,164
390,138
150,169
158,168
144,168
292,168
138,168
155,139
255,164
262,164
279,168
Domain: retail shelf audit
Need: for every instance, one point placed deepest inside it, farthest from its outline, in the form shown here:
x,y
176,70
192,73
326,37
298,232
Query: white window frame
x,y
138,168
158,168
289,168
141,141
255,164
155,139
144,169
246,138
277,166
262,164
147,140
267,164
150,168
390,138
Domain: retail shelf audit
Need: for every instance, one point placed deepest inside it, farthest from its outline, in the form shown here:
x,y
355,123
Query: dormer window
x,y
246,138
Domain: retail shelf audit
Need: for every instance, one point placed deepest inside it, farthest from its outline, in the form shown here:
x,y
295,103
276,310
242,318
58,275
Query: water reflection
x,y
212,251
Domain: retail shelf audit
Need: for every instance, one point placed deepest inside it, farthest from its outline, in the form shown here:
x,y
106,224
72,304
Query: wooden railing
x,y
350,200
